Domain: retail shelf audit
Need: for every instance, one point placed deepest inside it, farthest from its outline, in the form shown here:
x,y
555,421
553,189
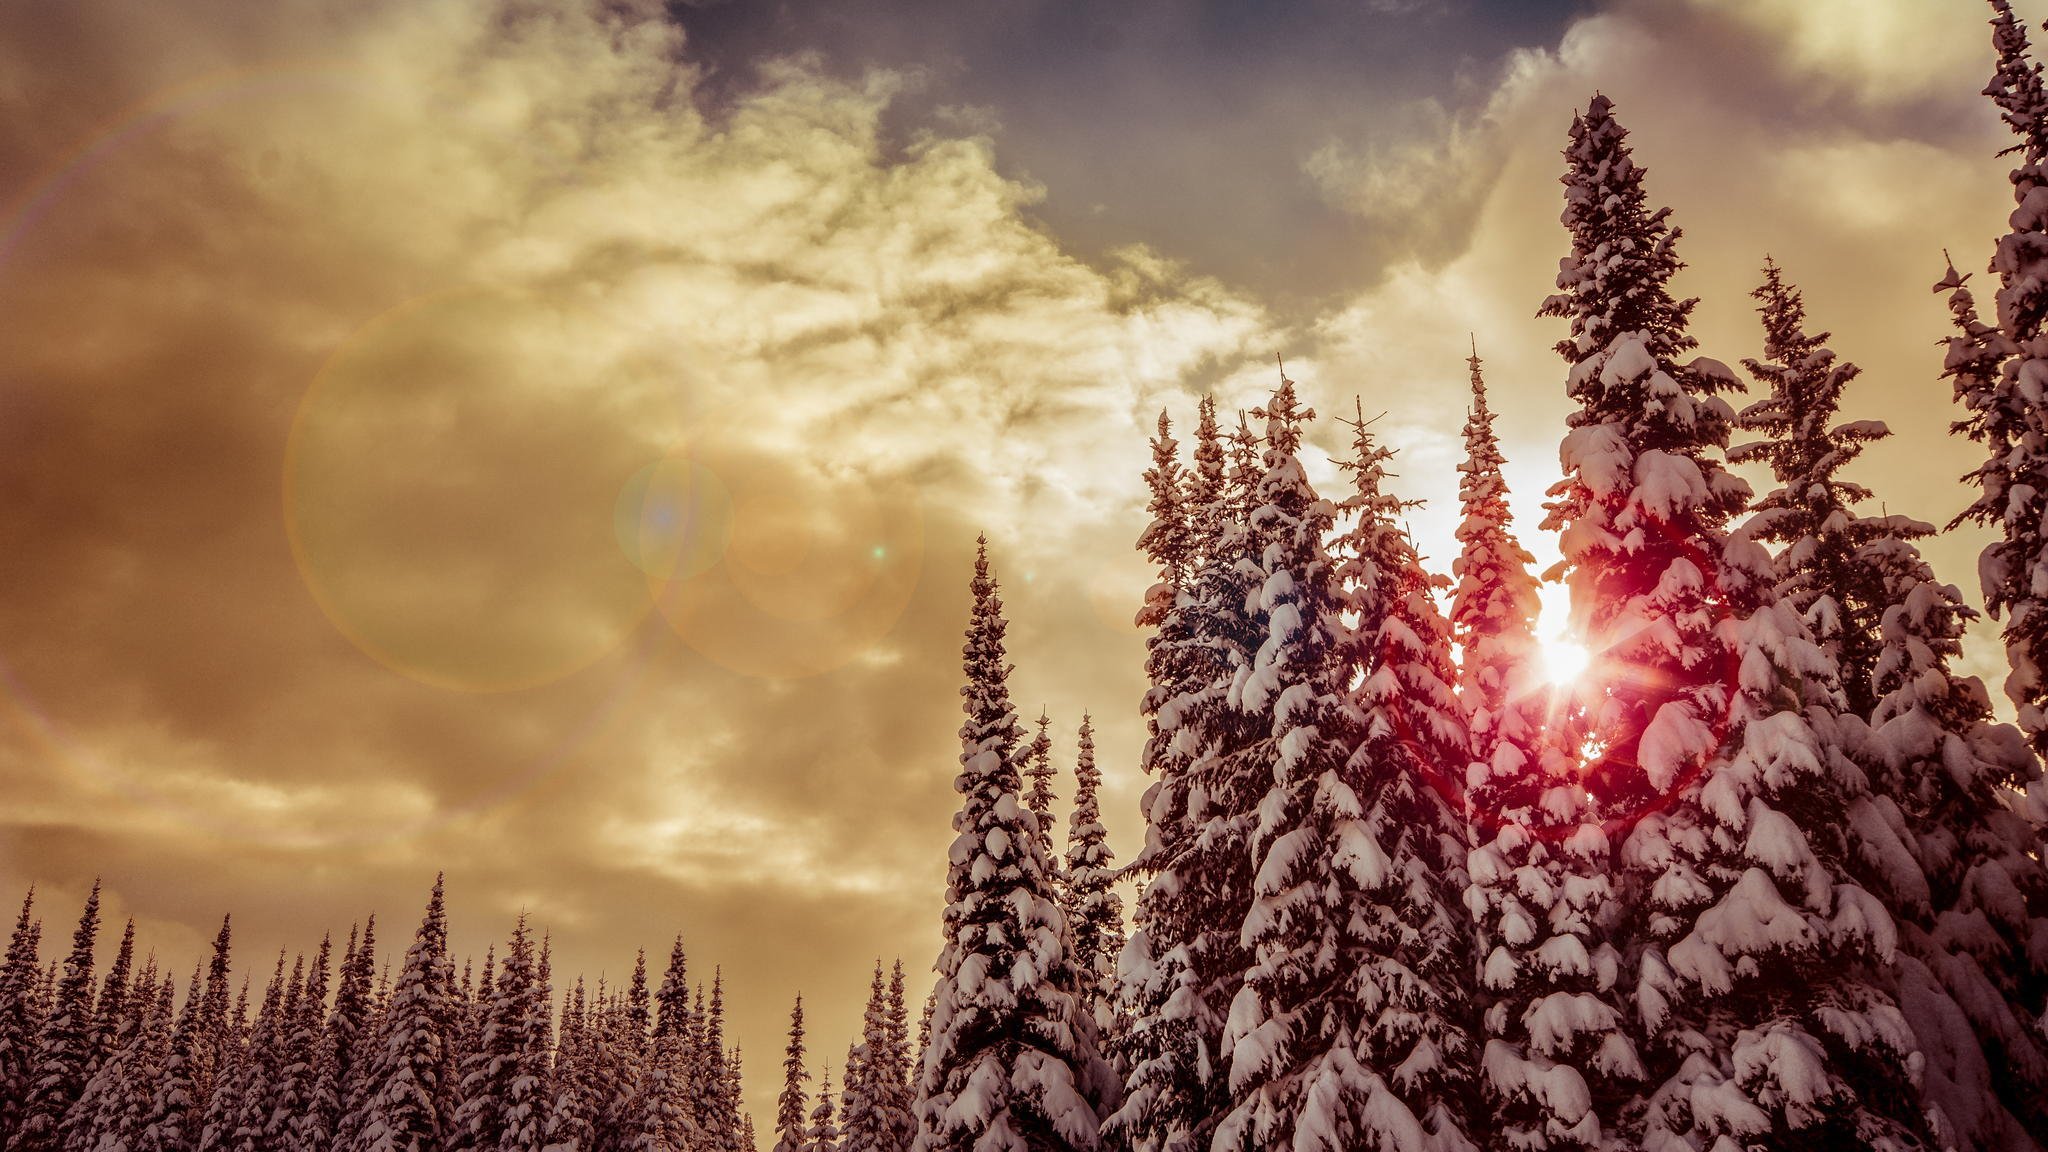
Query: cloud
x,y
448,448
431,438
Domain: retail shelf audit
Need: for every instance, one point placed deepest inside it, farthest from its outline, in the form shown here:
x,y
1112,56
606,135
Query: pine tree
x,y
352,1035
1334,1040
871,1101
504,1089
1183,961
310,1068
102,1111
1039,795
789,1107
1493,605
64,1050
1534,912
1094,911
823,1134
1011,1064
569,1127
1759,1021
2002,405
1820,569
898,1088
173,1121
19,976
407,1085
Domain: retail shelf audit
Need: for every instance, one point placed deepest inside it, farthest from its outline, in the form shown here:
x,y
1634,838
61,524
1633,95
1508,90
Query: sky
x,y
545,442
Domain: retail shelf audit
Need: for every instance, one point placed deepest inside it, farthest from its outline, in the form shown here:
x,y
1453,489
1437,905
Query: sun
x,y
1564,659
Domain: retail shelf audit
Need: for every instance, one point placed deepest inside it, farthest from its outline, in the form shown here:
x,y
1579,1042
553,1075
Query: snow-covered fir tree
x,y
1748,952
63,1054
1335,1039
505,1080
1184,959
172,1123
1821,565
1095,913
1038,793
822,1135
1493,605
2002,399
898,1087
20,973
1535,907
1011,1065
789,1106
350,1033
408,1082
310,1073
572,1104
1161,1048
870,1100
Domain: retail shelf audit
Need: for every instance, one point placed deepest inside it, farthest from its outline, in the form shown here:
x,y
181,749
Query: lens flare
x,y
1564,659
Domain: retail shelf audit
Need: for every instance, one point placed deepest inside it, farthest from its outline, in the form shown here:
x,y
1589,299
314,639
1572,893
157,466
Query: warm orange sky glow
x,y
519,440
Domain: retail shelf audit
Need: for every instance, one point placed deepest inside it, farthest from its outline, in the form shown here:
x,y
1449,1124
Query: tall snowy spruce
x,y
1011,1066
789,1106
1184,959
1160,1048
19,975
870,1116
408,1084
822,1135
1409,739
63,1054
505,1079
1967,883
1747,954
1822,569
2003,398
1335,1039
1537,893
1095,913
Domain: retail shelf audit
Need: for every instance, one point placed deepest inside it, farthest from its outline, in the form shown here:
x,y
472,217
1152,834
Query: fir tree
x,y
19,977
1493,604
63,1053
1820,569
1749,951
1011,1065
351,1033
173,1121
310,1069
1094,911
823,1134
1959,867
1336,1037
407,1085
872,1117
898,1088
789,1107
1534,911
2000,392
1184,958
1039,795
504,1090
569,1127
103,1110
